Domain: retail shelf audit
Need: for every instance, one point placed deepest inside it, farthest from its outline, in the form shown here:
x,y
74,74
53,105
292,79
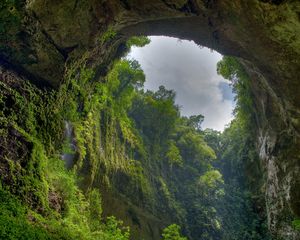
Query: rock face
x,y
278,144
47,35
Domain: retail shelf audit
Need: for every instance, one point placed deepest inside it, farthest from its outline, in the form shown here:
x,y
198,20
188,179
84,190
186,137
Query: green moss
x,y
10,19
296,224
284,24
40,179
14,220
108,35
11,14
139,181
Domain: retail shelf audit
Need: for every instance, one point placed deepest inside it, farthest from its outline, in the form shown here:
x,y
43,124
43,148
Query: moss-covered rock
x,y
41,39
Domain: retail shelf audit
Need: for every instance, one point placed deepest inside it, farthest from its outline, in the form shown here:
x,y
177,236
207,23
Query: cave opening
x,y
191,71
150,175
199,171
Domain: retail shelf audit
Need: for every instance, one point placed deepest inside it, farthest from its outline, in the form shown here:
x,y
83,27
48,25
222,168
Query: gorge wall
x,y
40,39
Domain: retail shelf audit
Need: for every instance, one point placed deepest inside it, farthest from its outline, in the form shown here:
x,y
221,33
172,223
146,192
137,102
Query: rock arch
x,y
263,34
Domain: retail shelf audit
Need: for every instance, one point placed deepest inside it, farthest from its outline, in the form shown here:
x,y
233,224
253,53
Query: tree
x,y
173,154
126,77
164,94
138,41
172,232
211,179
155,114
195,121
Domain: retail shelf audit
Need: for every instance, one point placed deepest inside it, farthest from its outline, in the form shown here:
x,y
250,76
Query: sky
x,y
190,70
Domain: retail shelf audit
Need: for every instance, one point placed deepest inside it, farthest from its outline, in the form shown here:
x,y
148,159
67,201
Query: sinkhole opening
x,y
191,71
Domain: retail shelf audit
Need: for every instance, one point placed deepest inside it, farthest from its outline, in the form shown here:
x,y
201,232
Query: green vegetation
x,y
130,142
172,232
14,221
10,18
242,208
11,26
138,41
108,35
296,224
48,201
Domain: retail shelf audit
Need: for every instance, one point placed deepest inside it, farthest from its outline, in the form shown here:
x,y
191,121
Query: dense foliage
x,y
39,195
177,160
172,232
243,204
68,148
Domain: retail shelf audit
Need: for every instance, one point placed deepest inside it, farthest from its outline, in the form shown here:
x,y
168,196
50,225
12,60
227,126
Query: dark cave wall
x,y
278,146
49,35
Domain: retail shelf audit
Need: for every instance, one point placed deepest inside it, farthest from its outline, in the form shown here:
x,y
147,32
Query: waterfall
x,y
69,149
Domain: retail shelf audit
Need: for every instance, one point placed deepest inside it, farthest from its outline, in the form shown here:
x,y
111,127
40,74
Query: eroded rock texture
x,y
46,35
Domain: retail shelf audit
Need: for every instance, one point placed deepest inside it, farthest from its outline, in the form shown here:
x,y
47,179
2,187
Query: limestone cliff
x,y
41,38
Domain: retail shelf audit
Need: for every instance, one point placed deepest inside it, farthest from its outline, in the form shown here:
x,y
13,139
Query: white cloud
x,y
191,71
